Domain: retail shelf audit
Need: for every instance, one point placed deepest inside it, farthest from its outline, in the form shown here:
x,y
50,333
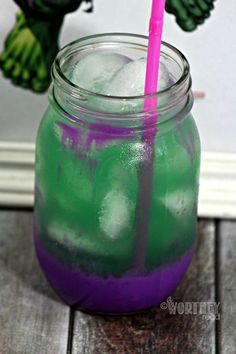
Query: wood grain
x,y
32,319
157,331
227,287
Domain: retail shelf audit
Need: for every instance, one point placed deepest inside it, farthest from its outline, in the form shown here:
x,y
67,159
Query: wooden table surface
x,y
34,321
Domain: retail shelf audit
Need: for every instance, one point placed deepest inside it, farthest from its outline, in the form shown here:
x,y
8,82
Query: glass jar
x,y
116,185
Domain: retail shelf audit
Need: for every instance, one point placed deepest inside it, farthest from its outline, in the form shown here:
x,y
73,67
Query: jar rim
x,y
57,72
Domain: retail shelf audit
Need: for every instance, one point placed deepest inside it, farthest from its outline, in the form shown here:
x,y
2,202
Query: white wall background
x,y
211,51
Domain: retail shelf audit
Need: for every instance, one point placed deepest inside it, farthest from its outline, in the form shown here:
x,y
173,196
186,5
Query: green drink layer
x,y
87,193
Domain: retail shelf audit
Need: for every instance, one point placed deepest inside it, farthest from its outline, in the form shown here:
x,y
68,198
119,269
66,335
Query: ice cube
x,y
180,203
95,70
115,214
130,79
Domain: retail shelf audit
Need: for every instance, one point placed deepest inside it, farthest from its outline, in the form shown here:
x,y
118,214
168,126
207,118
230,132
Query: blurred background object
x,y
32,43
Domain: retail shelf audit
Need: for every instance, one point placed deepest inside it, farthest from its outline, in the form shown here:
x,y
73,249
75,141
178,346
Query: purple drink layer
x,y
126,294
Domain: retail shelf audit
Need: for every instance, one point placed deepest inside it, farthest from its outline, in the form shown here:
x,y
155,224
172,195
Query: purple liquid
x,y
111,295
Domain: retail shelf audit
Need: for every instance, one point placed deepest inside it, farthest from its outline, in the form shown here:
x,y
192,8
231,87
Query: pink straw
x,y
154,50
145,170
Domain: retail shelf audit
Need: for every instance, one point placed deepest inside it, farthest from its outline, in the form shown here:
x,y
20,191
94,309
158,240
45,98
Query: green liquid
x,y
85,209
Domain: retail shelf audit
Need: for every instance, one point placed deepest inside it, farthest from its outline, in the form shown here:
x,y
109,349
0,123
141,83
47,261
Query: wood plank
x,y
157,331
227,286
32,319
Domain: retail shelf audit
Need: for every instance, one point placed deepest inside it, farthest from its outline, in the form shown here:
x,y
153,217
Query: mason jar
x,y
116,185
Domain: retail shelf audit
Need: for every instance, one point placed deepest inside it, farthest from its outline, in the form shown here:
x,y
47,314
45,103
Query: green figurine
x,y
32,44
190,13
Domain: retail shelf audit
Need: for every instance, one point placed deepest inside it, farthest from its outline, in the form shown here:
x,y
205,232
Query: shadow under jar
x,y
116,185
